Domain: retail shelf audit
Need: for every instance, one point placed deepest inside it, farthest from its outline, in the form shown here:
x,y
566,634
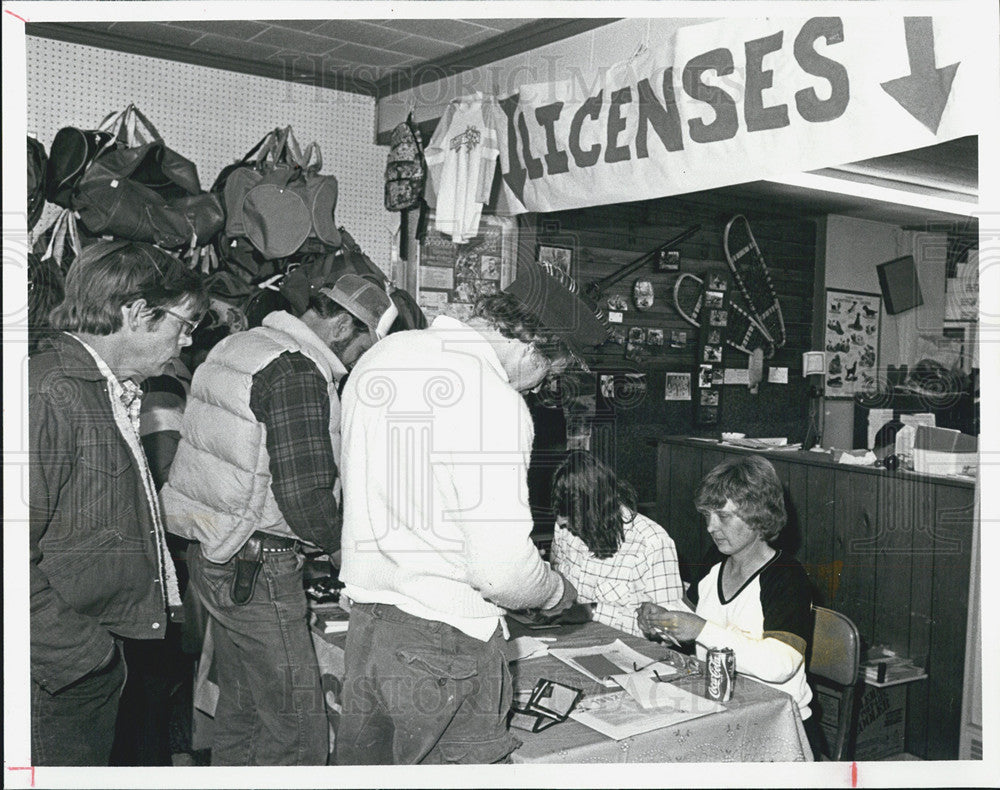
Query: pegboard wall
x,y
213,117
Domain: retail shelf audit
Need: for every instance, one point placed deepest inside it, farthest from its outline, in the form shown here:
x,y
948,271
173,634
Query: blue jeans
x,y
76,725
419,691
270,709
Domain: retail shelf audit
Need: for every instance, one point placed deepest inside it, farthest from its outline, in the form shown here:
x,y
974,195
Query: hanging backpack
x,y
405,169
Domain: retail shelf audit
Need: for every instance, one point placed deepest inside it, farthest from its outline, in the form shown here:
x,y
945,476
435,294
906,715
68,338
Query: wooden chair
x,y
834,664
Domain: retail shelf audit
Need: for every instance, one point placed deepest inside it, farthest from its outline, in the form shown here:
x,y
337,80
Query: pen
x,y
668,635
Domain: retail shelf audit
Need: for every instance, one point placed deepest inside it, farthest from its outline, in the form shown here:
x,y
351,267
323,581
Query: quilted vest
x,y
219,490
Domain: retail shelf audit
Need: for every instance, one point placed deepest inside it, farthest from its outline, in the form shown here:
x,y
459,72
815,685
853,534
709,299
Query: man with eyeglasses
x,y
437,529
255,476
100,569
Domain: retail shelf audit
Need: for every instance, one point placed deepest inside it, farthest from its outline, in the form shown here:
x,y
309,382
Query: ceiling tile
x,y
358,53
245,50
284,38
234,28
440,29
305,25
153,31
101,26
424,48
503,24
482,34
353,31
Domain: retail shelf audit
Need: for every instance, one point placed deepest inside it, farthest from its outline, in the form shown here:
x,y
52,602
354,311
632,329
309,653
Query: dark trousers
x,y
76,725
419,691
271,709
154,714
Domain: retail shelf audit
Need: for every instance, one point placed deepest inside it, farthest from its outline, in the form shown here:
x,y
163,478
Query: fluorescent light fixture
x,y
861,189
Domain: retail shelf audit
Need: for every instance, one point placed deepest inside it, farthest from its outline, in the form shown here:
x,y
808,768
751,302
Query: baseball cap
x,y
365,300
553,299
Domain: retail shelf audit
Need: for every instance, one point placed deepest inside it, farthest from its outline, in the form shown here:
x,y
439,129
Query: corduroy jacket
x,y
92,541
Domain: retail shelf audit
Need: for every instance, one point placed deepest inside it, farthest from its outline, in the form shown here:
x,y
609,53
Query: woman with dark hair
x,y
757,601
615,557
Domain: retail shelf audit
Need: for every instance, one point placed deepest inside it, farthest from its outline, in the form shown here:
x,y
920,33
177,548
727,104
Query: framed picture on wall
x,y
851,337
560,258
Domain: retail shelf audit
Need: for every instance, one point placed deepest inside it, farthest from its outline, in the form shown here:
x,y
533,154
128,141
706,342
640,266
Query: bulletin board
x,y
852,323
450,276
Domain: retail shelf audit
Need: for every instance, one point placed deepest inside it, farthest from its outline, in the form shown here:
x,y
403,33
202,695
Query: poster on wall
x,y
452,276
851,342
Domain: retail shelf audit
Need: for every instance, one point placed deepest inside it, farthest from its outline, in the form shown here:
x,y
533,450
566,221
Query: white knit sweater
x,y
435,451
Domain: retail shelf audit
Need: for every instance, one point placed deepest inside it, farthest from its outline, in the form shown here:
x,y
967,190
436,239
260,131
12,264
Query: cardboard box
x,y
881,723
943,451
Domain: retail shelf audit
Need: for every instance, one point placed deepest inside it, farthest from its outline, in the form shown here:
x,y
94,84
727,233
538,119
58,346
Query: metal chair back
x,y
834,663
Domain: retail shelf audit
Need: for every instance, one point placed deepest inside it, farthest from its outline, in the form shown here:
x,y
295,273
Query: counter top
x,y
815,459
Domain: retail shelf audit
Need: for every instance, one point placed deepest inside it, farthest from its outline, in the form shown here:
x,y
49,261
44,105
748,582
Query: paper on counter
x,y
524,647
855,457
652,694
601,662
618,716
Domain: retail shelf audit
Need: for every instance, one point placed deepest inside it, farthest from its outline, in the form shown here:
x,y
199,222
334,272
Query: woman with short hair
x,y
758,600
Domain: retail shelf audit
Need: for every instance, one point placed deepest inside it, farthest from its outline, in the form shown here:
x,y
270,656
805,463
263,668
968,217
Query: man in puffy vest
x,y
256,476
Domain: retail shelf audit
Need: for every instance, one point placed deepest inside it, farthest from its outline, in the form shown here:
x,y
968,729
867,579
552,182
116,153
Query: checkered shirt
x,y
643,569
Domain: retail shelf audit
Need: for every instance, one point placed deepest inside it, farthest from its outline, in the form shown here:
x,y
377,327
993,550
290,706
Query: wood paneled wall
x,y
604,238
891,551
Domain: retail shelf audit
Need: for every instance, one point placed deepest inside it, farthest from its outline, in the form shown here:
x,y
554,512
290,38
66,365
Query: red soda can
x,y
720,674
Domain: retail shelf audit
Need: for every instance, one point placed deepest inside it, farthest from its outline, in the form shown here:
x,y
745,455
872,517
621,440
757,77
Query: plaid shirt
x,y
643,569
290,397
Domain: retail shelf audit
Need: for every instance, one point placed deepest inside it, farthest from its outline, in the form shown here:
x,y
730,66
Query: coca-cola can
x,y
720,674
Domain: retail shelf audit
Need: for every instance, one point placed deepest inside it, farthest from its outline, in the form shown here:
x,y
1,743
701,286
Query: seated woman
x,y
615,557
757,601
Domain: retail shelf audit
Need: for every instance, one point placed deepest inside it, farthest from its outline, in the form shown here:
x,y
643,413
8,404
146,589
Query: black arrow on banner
x,y
923,93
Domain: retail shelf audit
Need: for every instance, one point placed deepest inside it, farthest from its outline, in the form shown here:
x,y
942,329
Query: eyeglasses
x,y
189,325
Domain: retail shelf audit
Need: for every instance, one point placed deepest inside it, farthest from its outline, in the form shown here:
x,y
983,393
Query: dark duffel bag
x,y
70,155
74,150
37,160
127,209
139,189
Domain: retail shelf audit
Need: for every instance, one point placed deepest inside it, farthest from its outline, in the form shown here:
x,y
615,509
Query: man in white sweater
x,y
436,540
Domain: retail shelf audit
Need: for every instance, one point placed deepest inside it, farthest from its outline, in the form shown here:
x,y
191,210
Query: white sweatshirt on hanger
x,y
461,159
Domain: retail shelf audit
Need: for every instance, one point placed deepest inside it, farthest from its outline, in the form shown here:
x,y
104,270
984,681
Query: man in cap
x,y
436,544
255,477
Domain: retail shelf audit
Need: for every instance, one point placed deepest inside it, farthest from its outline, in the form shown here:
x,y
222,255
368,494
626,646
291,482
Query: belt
x,y
272,543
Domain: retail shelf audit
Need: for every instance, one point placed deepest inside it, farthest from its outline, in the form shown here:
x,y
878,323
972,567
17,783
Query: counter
x,y
891,550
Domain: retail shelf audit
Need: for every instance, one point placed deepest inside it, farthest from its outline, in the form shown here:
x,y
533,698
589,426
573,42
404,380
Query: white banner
x,y
741,100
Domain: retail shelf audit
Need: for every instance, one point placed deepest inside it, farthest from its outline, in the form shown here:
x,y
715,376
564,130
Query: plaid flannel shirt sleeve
x,y
662,579
289,396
